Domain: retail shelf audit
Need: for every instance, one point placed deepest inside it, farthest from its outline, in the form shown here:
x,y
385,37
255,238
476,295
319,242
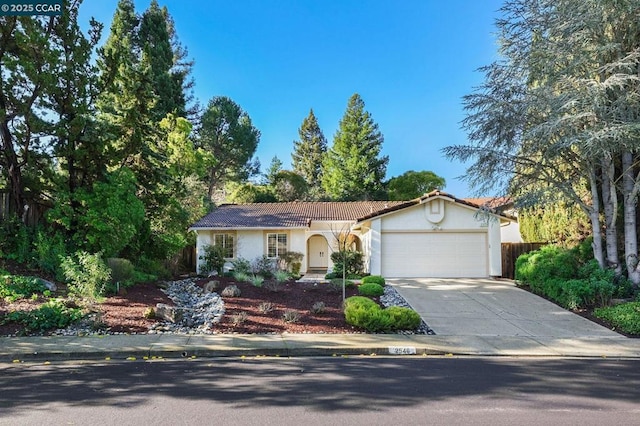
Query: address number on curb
x,y
402,350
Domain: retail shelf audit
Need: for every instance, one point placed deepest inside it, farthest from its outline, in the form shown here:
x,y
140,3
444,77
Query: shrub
x,y
273,285
318,308
87,275
149,313
281,276
625,317
257,281
265,307
359,302
52,314
264,266
550,262
291,261
351,259
337,283
291,315
242,277
364,313
404,318
241,265
48,251
371,290
375,279
239,318
122,271
213,259
14,287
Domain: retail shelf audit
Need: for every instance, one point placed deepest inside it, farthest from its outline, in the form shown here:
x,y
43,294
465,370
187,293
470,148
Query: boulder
x,y
168,313
48,284
211,286
231,291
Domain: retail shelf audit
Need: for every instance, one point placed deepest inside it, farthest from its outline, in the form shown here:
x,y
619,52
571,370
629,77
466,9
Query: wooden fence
x,y
510,253
34,213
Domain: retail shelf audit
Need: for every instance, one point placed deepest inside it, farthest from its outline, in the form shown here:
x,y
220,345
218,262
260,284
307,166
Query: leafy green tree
x,y
353,168
111,215
226,132
289,186
411,184
250,193
308,153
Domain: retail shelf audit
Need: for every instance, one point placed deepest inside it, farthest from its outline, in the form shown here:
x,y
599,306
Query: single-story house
x,y
436,235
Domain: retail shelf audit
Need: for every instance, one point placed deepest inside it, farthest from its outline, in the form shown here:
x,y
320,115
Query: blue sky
x,y
411,61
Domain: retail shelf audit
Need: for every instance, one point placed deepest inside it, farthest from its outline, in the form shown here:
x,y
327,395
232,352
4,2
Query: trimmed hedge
x,y
364,313
371,290
375,279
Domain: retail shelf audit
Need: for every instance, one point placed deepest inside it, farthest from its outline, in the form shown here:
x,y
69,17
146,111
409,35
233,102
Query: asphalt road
x,y
323,391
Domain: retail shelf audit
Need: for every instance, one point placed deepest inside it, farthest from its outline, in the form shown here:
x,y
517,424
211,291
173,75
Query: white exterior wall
x,y
375,253
511,233
203,238
495,248
250,244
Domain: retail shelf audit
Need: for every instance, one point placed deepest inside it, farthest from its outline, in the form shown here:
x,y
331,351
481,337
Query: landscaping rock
x,y
211,286
168,313
48,284
231,291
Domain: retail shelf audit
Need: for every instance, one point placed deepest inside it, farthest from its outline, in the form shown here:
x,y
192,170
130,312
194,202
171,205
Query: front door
x,y
318,252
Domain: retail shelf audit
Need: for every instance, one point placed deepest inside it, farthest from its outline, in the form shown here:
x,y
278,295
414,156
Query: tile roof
x,y
290,215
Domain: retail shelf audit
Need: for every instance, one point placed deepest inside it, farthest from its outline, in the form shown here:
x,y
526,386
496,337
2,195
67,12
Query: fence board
x,y
510,253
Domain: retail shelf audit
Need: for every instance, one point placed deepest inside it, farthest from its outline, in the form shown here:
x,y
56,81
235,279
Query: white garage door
x,y
445,255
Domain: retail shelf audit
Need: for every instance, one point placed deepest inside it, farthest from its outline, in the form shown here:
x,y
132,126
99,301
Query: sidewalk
x,y
143,346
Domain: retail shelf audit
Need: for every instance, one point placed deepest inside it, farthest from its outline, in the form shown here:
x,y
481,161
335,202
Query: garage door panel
x,y
446,255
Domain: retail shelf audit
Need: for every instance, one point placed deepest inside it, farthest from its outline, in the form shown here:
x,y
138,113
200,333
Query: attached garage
x,y
434,254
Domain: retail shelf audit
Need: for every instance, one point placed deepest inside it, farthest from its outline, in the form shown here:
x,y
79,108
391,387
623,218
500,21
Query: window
x,y
227,242
276,245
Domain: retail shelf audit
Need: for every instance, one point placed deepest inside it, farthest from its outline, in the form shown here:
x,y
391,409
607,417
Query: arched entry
x,y
317,253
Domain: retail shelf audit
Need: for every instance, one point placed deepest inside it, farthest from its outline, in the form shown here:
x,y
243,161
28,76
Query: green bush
x,y
241,265
213,259
364,313
281,276
566,277
122,270
360,302
48,251
371,290
52,314
87,275
291,261
257,280
625,317
353,260
242,277
376,279
404,318
264,266
14,287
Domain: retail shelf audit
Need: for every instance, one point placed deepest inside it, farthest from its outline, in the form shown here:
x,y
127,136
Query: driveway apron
x,y
487,307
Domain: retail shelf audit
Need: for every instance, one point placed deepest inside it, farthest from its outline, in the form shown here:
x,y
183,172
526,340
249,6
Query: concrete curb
x,y
35,349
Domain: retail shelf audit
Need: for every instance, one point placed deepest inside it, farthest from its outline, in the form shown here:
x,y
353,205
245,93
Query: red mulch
x,y
125,312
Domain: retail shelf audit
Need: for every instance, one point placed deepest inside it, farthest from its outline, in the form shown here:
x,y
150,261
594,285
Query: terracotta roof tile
x,y
289,215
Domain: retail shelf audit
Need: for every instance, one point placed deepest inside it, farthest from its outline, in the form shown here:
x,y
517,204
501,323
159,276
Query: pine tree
x,y
154,39
308,153
353,168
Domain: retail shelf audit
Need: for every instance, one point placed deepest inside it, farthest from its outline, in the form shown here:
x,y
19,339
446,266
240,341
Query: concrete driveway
x,y
486,307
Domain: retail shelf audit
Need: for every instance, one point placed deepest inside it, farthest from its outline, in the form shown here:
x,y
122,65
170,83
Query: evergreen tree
x,y
353,168
227,134
275,167
308,153
155,41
